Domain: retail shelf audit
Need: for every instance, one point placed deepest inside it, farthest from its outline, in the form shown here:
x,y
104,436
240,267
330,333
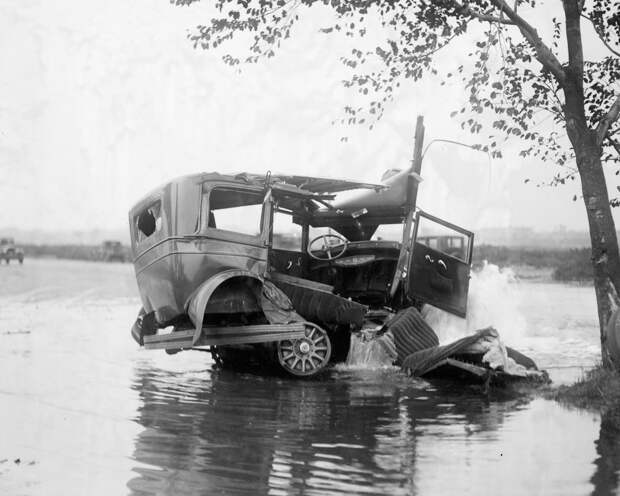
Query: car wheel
x,y
305,356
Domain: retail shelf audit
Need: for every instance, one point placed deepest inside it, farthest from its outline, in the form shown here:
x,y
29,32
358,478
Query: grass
x,y
598,389
566,265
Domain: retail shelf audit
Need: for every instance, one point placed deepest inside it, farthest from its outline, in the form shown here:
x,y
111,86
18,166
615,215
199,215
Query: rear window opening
x,y
148,222
235,210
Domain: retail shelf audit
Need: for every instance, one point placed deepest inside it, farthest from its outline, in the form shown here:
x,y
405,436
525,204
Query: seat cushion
x,y
317,305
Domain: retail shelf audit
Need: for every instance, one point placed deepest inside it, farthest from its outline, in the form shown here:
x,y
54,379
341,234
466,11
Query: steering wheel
x,y
327,247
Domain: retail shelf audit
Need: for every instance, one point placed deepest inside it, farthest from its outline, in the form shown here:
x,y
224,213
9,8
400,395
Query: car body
x,y
285,267
9,251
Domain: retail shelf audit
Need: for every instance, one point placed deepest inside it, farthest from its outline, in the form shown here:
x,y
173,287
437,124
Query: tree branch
x,y
614,143
601,35
275,9
543,54
467,11
607,121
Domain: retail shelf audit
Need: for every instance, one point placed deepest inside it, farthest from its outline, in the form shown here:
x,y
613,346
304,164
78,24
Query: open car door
x,y
440,263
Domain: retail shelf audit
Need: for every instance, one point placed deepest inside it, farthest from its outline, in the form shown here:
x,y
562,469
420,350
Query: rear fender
x,y
145,325
197,303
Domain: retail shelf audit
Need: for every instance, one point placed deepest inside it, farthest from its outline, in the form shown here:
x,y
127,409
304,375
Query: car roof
x,y
313,184
304,184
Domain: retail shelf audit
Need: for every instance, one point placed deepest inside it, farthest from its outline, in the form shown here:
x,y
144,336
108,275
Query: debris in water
x,y
480,356
407,340
369,351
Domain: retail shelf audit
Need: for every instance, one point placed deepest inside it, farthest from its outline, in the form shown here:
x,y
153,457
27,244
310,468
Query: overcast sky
x,y
102,101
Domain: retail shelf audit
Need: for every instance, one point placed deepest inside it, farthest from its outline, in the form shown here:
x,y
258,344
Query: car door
x,y
440,264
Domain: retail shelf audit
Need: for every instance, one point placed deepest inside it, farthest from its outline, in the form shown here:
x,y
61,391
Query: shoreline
x,y
598,390
530,273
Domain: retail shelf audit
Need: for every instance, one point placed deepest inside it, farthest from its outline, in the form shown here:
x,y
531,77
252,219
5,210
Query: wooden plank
x,y
171,336
218,336
173,345
256,338
224,340
252,329
467,367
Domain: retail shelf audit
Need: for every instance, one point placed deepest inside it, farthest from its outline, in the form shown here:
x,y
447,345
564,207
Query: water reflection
x,y
208,432
605,478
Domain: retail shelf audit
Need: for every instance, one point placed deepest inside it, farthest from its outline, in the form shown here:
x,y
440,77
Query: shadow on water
x,y
355,432
605,477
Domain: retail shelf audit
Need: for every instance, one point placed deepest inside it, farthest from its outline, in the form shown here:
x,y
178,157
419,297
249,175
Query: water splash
x,y
554,324
493,301
367,353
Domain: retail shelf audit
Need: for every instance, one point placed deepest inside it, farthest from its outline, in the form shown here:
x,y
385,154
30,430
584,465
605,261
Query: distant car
x,y
8,251
210,263
113,251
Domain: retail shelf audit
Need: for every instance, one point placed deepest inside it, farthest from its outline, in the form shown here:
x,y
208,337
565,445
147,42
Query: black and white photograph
x,y
309,247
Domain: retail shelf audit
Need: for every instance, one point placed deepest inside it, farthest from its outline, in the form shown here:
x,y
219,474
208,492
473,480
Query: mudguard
x,y
197,302
276,306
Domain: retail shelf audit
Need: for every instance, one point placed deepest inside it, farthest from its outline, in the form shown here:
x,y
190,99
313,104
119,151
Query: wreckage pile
x,y
247,297
408,341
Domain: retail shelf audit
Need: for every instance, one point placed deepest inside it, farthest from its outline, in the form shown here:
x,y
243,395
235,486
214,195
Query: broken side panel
x,y
440,264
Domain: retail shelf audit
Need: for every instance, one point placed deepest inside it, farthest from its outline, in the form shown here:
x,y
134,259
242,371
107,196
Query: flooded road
x,y
84,411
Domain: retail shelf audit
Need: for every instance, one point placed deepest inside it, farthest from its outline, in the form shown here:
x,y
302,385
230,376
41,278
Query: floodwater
x,y
84,411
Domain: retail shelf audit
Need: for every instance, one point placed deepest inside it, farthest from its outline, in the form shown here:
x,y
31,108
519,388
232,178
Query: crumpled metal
x,y
276,305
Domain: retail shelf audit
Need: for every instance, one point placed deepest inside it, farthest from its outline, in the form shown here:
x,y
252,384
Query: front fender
x,y
197,302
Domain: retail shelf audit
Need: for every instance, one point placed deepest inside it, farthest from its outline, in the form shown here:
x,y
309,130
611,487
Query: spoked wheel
x,y
305,356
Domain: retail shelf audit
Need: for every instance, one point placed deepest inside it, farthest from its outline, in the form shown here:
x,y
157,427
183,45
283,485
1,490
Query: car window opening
x,y
286,234
236,211
149,221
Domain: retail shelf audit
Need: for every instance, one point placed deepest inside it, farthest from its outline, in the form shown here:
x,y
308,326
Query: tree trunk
x,y
588,151
605,253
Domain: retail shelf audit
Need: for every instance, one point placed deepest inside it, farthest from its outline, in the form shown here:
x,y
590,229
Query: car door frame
x,y
460,310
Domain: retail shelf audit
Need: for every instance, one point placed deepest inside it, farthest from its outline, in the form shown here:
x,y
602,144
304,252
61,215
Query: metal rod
x,y
416,166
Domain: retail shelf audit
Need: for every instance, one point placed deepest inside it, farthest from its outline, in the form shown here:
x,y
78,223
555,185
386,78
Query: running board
x,y
228,335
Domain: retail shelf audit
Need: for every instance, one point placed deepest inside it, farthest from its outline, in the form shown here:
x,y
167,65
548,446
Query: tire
x,y
307,356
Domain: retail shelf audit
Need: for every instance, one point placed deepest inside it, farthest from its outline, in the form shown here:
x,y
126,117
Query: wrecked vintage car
x,y
281,269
